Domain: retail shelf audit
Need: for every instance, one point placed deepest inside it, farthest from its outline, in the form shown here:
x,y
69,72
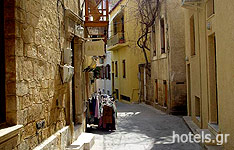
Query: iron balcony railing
x,y
116,39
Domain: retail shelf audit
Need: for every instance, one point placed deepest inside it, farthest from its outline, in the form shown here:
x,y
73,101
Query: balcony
x,y
191,4
97,18
116,41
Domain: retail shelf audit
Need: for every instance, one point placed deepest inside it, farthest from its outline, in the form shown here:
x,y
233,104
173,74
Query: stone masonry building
x,y
39,107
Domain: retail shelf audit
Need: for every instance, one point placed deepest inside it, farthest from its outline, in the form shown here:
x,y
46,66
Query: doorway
x,y
73,86
2,67
213,92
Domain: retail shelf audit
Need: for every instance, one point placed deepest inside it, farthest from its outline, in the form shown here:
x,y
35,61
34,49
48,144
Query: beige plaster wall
x,y
221,24
170,66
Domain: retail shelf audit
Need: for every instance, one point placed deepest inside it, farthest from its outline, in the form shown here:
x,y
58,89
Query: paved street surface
x,y
140,127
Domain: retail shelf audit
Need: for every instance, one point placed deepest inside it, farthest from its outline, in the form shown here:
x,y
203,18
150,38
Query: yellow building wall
x,y
221,24
225,60
131,53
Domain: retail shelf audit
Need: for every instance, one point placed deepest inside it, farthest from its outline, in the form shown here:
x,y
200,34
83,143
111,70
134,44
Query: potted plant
x,y
121,40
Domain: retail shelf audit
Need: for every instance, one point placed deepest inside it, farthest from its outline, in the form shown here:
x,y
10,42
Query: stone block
x,y
32,19
39,71
26,101
44,94
45,133
19,47
38,36
51,88
28,34
33,142
35,112
22,116
44,83
22,88
31,50
28,70
19,68
32,84
34,7
23,145
42,53
20,14
29,130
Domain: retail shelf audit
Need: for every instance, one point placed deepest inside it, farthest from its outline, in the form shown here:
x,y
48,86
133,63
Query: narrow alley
x,y
116,74
140,127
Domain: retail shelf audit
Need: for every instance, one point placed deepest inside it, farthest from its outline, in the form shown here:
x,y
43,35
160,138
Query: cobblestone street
x,y
141,127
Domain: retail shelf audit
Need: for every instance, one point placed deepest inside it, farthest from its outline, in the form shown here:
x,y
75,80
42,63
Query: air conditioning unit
x,y
67,72
191,4
67,56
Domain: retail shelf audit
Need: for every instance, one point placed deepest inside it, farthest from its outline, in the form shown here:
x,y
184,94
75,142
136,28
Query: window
x,y
107,71
162,31
116,69
102,72
156,91
210,8
124,69
153,41
112,67
115,27
192,36
2,67
213,116
122,30
165,92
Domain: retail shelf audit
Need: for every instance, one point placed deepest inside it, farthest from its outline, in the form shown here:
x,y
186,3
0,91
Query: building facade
x,y
42,102
209,66
104,83
126,55
168,75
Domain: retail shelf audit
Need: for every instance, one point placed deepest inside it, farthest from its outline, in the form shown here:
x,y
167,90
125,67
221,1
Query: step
x,y
84,142
75,147
192,126
213,147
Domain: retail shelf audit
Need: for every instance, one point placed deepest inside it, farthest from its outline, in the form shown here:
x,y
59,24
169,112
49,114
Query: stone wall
x,y
39,90
36,97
